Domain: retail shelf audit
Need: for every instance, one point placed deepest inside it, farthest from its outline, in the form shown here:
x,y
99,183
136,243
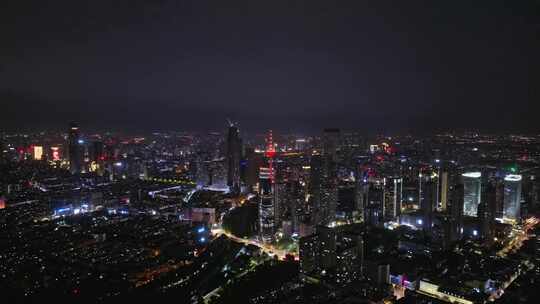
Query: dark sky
x,y
286,65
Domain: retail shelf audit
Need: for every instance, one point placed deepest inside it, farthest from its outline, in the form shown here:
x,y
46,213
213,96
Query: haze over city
x,y
268,152
169,65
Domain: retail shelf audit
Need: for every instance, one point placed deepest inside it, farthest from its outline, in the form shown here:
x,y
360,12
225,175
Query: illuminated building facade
x,y
392,197
309,254
443,191
55,153
37,152
374,208
324,179
74,149
472,183
512,197
266,206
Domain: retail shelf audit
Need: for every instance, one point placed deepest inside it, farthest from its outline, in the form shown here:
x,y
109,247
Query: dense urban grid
x,y
239,217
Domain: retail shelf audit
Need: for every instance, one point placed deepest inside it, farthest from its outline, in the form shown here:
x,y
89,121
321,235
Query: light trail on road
x,y
267,248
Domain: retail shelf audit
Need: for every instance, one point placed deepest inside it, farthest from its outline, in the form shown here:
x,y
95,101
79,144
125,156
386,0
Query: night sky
x,y
374,66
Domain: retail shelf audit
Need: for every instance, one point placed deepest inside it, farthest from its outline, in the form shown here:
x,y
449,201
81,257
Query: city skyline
x,y
269,152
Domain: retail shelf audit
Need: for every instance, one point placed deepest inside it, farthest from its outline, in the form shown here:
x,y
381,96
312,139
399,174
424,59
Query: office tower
x,y
361,186
472,182
331,138
487,210
266,206
443,191
428,204
74,149
254,161
324,179
393,187
374,208
512,197
456,211
279,197
37,152
234,147
323,189
499,199
361,198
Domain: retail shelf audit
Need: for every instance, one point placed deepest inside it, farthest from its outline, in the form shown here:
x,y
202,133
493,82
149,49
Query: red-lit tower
x,y
270,153
267,204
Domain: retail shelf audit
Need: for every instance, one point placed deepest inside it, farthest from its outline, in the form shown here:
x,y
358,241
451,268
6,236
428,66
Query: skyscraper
x,y
266,206
327,247
374,208
324,179
472,183
443,190
512,197
74,149
361,186
309,254
234,147
456,211
323,189
331,138
392,197
279,201
487,210
428,204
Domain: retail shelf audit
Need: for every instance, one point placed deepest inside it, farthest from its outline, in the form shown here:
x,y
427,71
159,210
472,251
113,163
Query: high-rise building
x,y
499,199
332,254
428,204
393,197
375,206
234,149
254,161
487,210
266,206
361,186
327,247
309,254
443,190
323,189
472,183
512,197
456,211
74,149
37,152
324,179
331,138
97,152
279,197
361,199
